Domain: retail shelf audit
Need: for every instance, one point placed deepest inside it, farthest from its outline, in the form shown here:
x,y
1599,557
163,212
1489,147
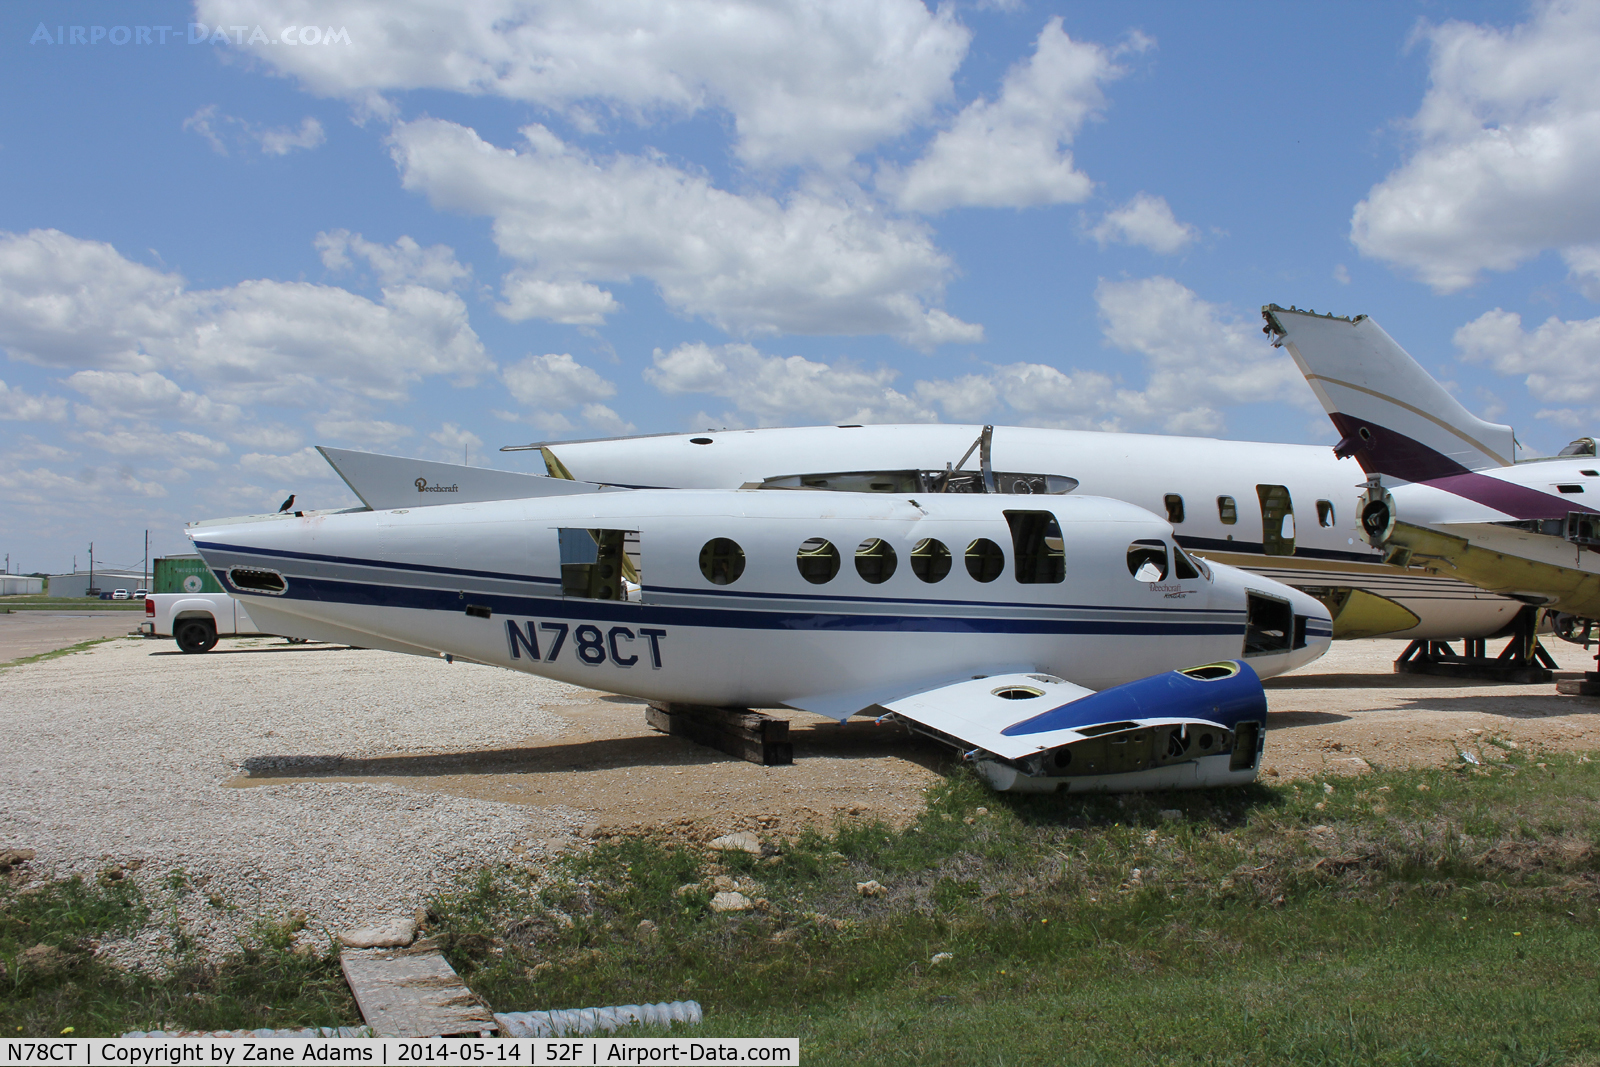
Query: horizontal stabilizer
x,y
1392,416
385,482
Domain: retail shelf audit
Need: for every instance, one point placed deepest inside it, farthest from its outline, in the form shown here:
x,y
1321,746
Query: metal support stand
x,y
749,735
1523,660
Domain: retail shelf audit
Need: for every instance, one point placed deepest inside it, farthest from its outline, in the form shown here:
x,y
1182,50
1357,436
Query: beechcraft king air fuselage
x,y
1052,640
1279,510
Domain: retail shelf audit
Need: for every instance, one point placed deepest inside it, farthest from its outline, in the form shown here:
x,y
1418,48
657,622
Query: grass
x,y
52,978
58,653
1403,917
30,602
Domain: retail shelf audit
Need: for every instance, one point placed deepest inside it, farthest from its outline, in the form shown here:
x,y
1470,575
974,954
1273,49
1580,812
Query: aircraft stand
x,y
1523,660
749,735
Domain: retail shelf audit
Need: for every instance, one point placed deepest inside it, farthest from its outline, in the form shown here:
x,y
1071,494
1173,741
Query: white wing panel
x,y
974,712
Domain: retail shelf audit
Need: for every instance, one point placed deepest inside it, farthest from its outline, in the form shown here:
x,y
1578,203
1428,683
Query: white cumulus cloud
x,y
149,395
1146,221
16,403
1507,146
1012,151
772,390
1559,361
573,303
71,303
222,131
403,263
1199,358
816,262
811,83
555,381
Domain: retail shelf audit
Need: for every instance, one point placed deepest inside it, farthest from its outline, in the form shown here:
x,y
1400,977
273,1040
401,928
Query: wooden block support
x,y
748,735
412,992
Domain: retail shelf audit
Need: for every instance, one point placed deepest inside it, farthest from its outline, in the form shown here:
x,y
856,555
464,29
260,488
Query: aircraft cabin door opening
x,y
600,564
1277,520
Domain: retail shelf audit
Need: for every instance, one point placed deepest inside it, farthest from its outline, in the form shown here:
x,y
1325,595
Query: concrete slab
x,y
29,633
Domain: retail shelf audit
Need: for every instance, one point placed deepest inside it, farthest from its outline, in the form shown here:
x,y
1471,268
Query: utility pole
x,y
147,560
91,565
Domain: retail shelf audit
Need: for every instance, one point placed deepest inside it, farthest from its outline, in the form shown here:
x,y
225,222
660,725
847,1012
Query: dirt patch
x,y
1345,714
626,775
1349,712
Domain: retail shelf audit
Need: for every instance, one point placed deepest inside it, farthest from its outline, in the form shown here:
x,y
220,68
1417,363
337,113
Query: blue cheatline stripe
x,y
720,591
322,590
353,561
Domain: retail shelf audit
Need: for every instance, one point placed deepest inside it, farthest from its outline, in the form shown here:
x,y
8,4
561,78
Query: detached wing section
x,y
1202,726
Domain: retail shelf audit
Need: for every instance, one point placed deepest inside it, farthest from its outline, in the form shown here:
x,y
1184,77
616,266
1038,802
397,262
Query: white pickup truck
x,y
196,620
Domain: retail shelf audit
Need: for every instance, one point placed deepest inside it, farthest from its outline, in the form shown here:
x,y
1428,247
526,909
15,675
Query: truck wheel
x,y
196,635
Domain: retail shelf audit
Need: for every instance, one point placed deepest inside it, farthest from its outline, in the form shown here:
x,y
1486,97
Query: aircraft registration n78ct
x,y
1053,640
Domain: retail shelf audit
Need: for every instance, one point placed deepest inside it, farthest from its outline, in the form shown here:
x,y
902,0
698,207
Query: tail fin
x,y
384,482
1393,417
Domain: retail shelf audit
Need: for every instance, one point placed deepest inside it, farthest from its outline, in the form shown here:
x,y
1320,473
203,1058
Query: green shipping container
x,y
183,574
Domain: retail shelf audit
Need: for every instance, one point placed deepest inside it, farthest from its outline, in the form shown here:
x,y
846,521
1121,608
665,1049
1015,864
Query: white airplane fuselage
x,y
1200,483
484,582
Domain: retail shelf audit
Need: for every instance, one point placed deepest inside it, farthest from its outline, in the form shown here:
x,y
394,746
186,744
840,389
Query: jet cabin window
x,y
1036,541
722,561
1277,520
1147,560
1174,504
985,561
1227,510
930,560
1325,517
596,564
875,560
818,561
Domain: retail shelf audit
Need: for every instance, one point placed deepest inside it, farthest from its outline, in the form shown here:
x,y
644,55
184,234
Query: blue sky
x,y
475,224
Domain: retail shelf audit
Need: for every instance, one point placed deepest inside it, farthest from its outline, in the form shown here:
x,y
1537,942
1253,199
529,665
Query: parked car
x,y
140,594
119,594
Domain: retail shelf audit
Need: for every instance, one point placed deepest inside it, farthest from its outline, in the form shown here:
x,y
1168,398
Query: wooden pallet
x,y
413,992
748,735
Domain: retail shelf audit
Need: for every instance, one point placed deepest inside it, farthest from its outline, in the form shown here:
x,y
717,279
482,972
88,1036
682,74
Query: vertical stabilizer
x,y
1391,414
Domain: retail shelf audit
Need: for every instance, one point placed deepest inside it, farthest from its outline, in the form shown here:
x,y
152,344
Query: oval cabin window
x,y
985,561
722,561
930,560
875,560
818,560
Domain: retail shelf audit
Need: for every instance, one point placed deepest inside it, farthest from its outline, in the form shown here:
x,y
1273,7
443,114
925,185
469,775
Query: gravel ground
x,y
121,755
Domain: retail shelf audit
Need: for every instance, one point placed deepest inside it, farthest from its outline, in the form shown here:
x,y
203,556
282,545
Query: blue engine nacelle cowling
x,y
1183,729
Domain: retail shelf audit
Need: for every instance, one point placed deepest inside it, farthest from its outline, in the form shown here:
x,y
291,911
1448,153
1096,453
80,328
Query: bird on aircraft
x,y
287,504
